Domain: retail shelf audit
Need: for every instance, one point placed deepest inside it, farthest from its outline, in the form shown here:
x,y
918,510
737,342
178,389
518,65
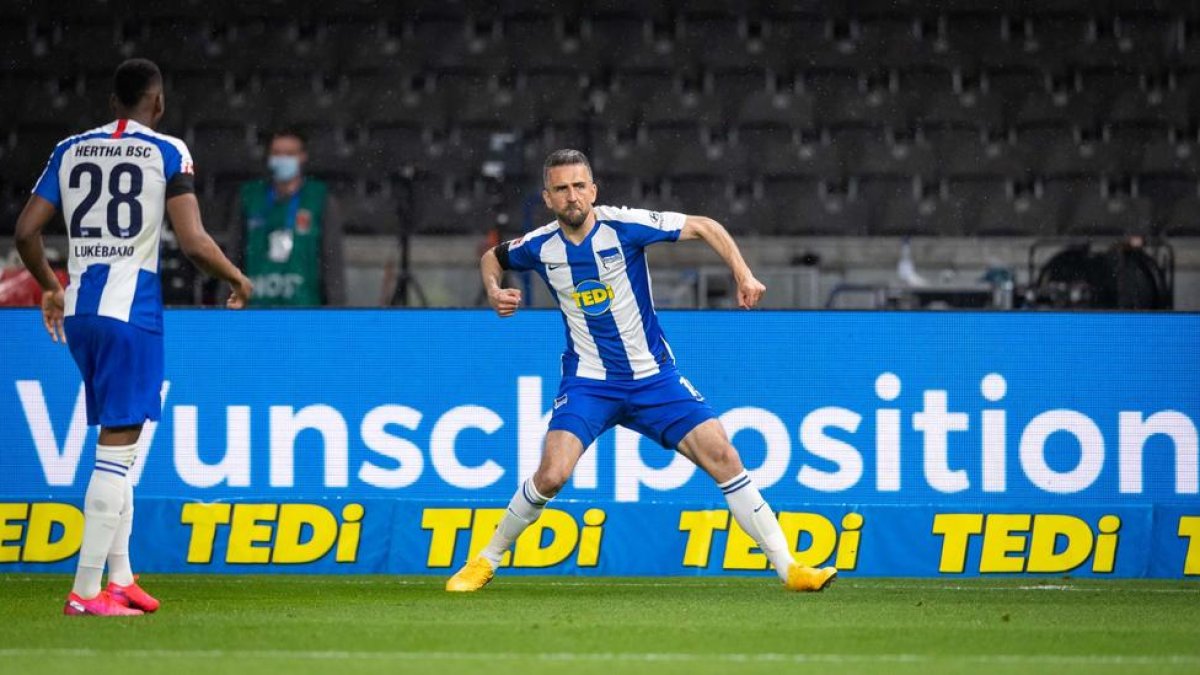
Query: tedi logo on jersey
x,y
593,297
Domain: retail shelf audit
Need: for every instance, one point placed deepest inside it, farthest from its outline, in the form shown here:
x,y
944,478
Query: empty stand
x,y
977,118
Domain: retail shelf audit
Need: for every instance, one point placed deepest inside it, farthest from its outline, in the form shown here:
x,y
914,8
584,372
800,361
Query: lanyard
x,y
293,206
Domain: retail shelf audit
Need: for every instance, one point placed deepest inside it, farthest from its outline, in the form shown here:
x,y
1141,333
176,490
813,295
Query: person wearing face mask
x,y
288,232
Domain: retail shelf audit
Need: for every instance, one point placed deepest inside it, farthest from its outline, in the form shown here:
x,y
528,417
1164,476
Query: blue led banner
x,y
998,442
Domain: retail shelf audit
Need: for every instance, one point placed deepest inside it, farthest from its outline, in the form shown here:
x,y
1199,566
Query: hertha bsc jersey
x,y
603,289
111,185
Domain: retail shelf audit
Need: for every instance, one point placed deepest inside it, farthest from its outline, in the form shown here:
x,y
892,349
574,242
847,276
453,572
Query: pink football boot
x,y
132,596
101,605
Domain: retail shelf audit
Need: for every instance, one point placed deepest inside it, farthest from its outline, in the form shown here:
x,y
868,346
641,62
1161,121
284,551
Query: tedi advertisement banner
x,y
390,440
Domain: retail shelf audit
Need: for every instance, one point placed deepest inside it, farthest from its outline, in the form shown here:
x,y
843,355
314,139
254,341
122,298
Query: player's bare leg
x,y
103,507
560,453
709,448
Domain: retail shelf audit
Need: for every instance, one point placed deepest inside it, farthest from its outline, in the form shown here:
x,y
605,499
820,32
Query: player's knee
x,y
550,480
723,457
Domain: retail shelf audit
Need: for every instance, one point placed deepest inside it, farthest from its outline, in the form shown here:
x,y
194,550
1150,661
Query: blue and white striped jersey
x,y
603,289
111,185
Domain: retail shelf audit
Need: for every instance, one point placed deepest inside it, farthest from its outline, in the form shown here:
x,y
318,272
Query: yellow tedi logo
x,y
593,297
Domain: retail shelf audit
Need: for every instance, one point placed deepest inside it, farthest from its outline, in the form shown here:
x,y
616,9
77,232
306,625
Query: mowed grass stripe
x,y
296,625
336,655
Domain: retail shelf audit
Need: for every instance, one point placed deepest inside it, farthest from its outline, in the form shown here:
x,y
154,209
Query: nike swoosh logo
x,y
554,267
760,507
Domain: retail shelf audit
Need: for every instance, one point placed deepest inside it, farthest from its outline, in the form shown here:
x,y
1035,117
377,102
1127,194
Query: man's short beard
x,y
572,219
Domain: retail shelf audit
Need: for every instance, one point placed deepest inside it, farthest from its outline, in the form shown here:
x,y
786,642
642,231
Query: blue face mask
x,y
284,167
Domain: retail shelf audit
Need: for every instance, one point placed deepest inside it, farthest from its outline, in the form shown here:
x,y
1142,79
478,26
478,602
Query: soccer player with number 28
x,y
113,185
617,367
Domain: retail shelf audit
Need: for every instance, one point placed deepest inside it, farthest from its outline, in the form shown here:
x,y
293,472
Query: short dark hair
x,y
288,132
133,79
564,157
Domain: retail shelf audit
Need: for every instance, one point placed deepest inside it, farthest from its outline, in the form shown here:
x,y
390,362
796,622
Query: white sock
x,y
524,508
119,570
102,506
758,520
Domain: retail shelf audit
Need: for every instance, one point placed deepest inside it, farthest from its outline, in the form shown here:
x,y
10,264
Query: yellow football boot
x,y
809,579
472,577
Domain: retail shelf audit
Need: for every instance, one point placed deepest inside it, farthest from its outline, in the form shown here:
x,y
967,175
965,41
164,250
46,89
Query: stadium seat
x,y
13,196
619,37
747,210
15,48
1110,207
971,36
450,42
1012,83
334,148
1138,37
1172,152
498,99
738,84
30,150
1183,219
615,189
388,147
1019,208
619,150
538,40
1153,100
967,106
213,97
1082,152
72,100
846,97
609,106
716,152
451,204
909,206
371,208
660,144
686,99
1062,107
225,147
398,97
1163,190
1048,33
765,107
651,193
307,98
1107,82
811,207
556,94
896,152
965,197
701,194
378,45
966,151
806,152
290,44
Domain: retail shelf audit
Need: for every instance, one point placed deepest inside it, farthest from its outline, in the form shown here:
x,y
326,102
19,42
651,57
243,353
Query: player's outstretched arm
x,y
200,248
504,300
750,289
37,212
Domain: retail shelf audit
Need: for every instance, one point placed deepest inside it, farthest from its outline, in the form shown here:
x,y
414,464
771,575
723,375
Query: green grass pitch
x,y
584,625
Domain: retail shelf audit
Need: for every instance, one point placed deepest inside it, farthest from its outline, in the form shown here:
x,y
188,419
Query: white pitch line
x,y
570,657
1073,589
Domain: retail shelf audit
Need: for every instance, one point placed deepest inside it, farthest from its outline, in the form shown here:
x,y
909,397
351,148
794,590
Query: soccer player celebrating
x,y
618,367
113,185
